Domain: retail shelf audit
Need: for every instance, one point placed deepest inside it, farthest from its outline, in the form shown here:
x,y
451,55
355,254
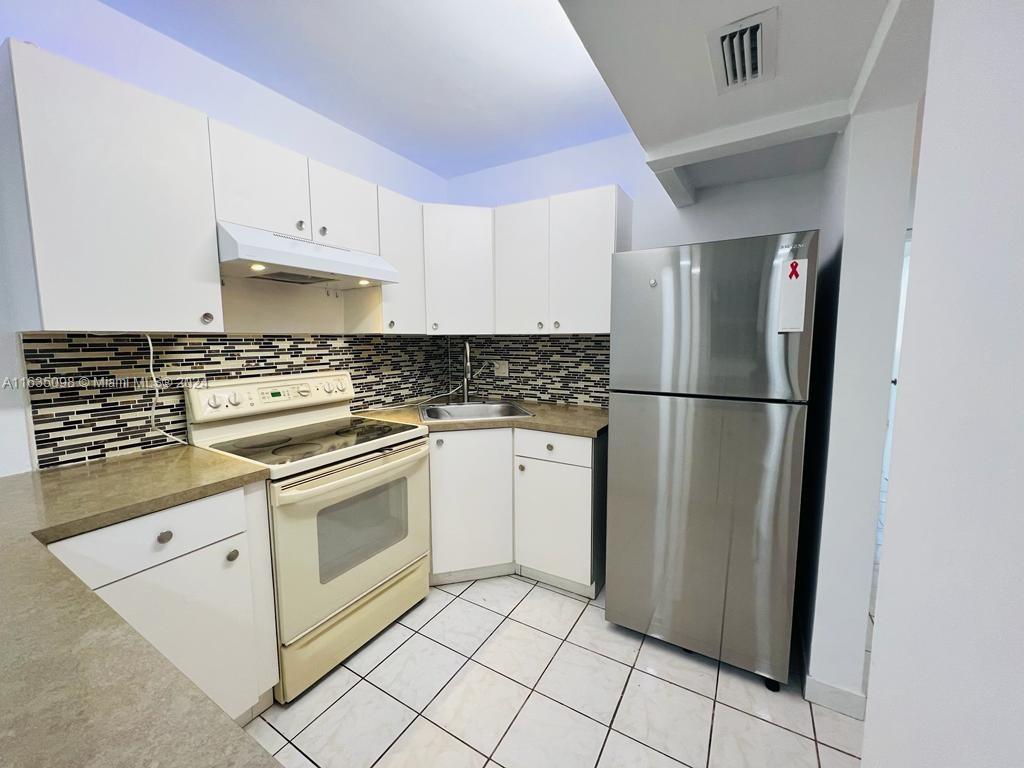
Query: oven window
x,y
354,530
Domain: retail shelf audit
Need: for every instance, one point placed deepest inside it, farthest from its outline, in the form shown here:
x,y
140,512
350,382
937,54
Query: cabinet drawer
x,y
108,554
568,449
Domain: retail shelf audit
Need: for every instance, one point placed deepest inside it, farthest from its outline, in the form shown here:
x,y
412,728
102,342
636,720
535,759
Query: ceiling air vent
x,y
743,52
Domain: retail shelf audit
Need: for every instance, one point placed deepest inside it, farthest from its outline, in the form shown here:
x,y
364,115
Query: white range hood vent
x,y
256,253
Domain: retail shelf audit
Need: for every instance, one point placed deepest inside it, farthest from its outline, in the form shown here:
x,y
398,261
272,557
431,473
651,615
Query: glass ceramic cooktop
x,y
303,442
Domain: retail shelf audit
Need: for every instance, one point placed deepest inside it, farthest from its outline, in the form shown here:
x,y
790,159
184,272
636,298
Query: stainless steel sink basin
x,y
472,412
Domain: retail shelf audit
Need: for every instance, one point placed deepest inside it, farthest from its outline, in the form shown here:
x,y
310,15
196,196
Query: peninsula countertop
x,y
581,420
81,687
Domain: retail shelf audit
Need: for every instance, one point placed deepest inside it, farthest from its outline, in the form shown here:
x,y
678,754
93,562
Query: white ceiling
x,y
454,85
654,56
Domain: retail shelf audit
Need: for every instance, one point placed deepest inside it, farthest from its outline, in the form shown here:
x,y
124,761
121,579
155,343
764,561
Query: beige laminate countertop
x,y
80,687
582,420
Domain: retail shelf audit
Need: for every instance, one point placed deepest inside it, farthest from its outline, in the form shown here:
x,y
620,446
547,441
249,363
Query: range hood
x,y
256,253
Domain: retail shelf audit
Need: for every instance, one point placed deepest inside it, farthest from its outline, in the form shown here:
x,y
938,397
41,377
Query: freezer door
x,y
703,512
716,319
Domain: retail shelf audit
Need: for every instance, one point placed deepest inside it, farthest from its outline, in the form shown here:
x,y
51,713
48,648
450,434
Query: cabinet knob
x,y
550,447
300,225
557,324
540,325
654,283
522,467
206,318
164,536
391,324
439,443
434,326
232,555
323,230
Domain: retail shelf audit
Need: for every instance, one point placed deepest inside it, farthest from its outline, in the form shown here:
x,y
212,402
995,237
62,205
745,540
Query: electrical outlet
x,y
501,368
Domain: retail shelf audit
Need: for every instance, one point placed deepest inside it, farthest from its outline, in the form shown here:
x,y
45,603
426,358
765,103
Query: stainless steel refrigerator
x,y
710,362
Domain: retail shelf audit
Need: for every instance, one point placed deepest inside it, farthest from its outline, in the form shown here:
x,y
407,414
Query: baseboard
x,y
852,703
472,574
584,590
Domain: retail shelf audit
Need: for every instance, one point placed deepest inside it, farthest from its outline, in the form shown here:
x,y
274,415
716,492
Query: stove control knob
x,y
215,401
339,386
328,386
303,390
234,399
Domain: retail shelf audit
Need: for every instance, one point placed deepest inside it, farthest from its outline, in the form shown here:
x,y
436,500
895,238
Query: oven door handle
x,y
291,497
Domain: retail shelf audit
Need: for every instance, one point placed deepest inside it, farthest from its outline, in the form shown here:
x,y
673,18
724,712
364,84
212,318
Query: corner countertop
x,y
581,420
81,687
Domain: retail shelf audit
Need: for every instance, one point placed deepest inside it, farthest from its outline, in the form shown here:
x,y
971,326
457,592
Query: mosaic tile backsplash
x,y
91,394
95,395
556,369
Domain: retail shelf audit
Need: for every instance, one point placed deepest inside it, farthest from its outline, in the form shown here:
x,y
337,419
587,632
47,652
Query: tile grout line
x,y
467,659
814,730
533,688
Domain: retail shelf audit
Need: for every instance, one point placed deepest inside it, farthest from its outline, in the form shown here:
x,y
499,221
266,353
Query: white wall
x,y
15,416
740,210
947,679
94,34
880,148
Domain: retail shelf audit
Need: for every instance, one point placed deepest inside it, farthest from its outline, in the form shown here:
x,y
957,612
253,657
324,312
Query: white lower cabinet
x,y
523,500
197,611
194,580
471,500
553,513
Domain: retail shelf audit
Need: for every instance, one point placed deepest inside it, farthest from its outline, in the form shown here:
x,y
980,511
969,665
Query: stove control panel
x,y
234,398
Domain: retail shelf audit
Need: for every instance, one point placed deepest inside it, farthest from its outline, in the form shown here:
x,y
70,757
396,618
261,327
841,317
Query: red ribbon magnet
x,y
794,270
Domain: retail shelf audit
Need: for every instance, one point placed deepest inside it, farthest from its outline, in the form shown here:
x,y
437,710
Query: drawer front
x,y
108,554
567,449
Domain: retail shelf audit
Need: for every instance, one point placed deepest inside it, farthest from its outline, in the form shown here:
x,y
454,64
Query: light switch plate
x,y
501,367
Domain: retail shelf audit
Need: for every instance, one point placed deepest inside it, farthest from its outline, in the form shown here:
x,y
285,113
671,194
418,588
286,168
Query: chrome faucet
x,y
467,373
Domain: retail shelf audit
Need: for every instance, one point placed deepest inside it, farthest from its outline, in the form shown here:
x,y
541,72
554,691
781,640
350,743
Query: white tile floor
x,y
507,673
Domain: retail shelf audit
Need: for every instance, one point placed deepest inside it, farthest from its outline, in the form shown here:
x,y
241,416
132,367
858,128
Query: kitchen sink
x,y
472,411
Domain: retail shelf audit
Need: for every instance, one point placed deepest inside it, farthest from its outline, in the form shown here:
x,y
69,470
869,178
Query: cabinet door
x,y
553,514
258,183
583,238
344,209
122,215
197,611
458,255
401,244
471,499
521,268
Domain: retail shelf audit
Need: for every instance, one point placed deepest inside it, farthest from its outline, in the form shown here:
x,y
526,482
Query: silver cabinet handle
x,y
550,447
522,467
540,325
434,326
323,230
206,318
654,283
164,536
300,225
439,443
557,324
232,555
391,324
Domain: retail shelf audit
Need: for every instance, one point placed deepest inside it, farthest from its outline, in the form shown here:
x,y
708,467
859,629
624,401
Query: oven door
x,y
339,533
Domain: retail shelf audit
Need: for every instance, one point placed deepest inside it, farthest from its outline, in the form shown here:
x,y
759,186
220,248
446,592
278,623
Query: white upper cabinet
x,y
587,227
106,208
401,244
344,209
258,183
521,268
458,252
